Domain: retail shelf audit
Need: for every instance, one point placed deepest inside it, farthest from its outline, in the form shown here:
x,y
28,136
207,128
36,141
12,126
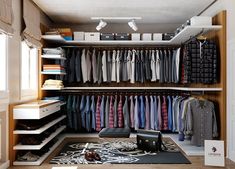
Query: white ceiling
x,y
151,11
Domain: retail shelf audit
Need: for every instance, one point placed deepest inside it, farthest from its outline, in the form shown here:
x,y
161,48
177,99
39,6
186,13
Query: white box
x,y
157,36
147,36
79,36
92,36
135,36
201,21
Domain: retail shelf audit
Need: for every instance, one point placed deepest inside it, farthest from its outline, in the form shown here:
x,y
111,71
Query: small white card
x,y
214,153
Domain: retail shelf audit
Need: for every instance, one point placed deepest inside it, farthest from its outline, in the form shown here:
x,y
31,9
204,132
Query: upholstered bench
x,y
115,133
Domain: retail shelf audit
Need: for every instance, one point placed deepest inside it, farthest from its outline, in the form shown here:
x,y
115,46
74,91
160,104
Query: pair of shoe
x,y
28,157
92,156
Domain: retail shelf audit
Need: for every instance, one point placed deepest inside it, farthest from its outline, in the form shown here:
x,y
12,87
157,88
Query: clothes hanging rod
x,y
143,88
124,46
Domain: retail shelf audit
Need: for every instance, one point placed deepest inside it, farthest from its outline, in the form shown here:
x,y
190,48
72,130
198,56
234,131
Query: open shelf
x,y
42,129
38,147
42,158
181,37
53,73
144,88
53,57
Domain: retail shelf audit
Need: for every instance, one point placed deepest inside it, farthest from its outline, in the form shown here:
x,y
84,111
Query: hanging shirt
x,y
159,113
157,65
129,70
82,110
142,113
120,113
114,66
153,66
93,113
79,117
124,67
88,65
169,113
137,66
107,106
109,66
142,73
162,68
78,66
136,113
147,64
164,114
132,113
99,68
126,113
74,114
115,111
72,66
111,112
69,111
177,65
118,66
202,121
133,67
157,110
104,66
88,114
98,123
102,112
84,66
94,66
152,112
147,114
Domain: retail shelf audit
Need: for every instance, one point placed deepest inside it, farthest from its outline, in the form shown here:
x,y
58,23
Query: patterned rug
x,y
121,152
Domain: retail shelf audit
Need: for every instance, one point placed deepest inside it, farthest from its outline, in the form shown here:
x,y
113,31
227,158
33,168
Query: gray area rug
x,y
114,153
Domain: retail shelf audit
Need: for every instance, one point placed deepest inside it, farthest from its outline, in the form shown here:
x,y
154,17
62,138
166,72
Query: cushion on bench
x,y
115,133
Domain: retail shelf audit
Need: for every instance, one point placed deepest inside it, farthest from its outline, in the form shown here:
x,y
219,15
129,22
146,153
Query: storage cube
x,y
92,36
79,36
201,20
147,36
107,36
157,36
135,36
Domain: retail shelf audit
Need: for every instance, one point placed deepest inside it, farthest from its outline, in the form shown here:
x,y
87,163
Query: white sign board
x,y
214,153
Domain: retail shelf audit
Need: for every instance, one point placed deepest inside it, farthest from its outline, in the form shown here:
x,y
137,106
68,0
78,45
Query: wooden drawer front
x,y
36,113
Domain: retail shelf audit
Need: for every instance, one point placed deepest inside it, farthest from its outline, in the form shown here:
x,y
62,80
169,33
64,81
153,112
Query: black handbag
x,y
151,141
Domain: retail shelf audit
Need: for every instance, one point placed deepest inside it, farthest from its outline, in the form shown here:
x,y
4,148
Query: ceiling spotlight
x,y
101,25
132,24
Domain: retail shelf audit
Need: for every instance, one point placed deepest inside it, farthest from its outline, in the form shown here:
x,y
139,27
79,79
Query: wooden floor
x,y
197,163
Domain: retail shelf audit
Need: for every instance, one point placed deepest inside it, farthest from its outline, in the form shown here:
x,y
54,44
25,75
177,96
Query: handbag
x,y
150,141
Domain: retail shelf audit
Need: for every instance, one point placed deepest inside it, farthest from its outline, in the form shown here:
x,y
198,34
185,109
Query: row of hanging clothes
x,y
105,65
191,117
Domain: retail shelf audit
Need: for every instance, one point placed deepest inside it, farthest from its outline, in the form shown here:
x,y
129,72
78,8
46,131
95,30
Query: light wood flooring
x,y
197,163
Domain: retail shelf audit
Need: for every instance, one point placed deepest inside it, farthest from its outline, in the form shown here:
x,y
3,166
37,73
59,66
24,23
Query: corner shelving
x,y
42,129
42,158
181,37
38,147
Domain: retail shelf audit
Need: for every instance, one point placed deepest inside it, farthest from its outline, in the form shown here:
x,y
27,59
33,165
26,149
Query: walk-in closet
x,y
125,83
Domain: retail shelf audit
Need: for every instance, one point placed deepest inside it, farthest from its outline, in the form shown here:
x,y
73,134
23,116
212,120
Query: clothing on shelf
x,y
53,68
200,62
50,83
53,51
190,117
